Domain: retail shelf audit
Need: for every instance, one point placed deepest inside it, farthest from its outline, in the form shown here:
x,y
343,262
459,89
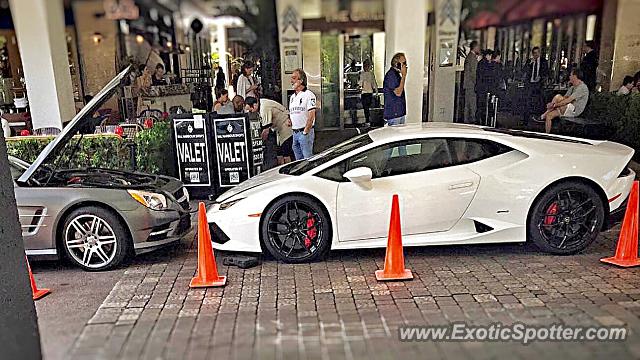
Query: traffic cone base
x,y
197,282
394,258
627,248
405,275
40,293
621,263
207,273
35,292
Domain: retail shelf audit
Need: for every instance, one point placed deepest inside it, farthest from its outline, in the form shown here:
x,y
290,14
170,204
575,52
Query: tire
x,y
115,243
303,236
566,218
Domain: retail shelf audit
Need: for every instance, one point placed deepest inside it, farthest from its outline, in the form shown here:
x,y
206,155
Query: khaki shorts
x,y
571,111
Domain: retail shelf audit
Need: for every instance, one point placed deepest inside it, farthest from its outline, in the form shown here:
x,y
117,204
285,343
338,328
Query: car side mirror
x,y
359,175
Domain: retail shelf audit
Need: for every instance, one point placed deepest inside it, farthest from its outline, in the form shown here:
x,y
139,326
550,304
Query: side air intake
x,y
481,228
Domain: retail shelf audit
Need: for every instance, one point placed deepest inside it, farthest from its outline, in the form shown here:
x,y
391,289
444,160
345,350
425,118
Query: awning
x,y
533,9
483,19
513,11
492,16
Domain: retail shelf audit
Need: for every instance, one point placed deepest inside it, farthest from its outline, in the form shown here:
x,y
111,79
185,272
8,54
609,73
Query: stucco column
x,y
619,50
221,31
41,37
444,45
405,31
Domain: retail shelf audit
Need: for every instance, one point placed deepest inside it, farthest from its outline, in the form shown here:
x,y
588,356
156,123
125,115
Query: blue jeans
x,y
303,144
396,121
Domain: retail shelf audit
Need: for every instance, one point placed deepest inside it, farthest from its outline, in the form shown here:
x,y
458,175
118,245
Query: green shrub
x,y
107,151
155,150
621,114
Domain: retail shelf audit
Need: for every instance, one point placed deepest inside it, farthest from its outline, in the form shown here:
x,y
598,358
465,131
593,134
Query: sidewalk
x,y
337,310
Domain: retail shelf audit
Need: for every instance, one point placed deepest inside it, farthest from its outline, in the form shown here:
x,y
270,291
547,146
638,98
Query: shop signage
x,y
290,38
448,20
347,16
232,151
256,144
121,10
193,151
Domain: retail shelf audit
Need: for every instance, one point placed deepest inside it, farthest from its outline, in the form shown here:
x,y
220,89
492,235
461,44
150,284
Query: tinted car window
x,y
301,167
396,159
466,151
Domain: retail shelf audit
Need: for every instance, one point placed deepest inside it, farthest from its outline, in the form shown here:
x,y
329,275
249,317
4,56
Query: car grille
x,y
164,231
182,197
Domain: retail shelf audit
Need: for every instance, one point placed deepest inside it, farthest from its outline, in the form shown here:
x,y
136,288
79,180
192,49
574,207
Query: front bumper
x,y
152,229
233,230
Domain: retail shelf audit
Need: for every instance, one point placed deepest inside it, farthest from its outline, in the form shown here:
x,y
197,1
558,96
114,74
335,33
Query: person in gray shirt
x,y
572,104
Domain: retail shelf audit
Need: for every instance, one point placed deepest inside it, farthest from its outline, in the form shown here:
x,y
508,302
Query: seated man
x,y
572,104
627,86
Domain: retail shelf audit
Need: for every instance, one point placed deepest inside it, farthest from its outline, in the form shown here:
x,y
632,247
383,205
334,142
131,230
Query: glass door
x,y
358,51
330,80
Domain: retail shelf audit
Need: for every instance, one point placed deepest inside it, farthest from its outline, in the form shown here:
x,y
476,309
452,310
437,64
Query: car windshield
x,y
301,167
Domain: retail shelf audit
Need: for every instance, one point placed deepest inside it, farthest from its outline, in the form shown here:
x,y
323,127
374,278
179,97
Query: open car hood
x,y
52,150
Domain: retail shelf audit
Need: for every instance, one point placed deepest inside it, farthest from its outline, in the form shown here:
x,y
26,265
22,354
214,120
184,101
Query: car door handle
x,y
461,185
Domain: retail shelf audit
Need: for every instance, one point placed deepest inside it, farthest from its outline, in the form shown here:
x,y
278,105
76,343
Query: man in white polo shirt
x,y
302,114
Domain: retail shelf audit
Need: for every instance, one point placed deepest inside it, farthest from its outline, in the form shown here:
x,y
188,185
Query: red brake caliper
x,y
551,212
311,230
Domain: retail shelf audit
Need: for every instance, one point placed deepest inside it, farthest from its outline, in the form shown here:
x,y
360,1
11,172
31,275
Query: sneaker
x,y
537,119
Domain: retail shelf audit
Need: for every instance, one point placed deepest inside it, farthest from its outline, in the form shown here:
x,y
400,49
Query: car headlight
x,y
151,200
228,204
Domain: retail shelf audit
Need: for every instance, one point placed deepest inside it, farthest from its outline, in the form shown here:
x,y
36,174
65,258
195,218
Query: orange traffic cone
x,y
207,275
394,260
627,249
37,293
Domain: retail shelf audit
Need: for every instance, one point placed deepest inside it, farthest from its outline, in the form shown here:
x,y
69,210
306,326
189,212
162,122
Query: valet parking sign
x,y
192,149
232,151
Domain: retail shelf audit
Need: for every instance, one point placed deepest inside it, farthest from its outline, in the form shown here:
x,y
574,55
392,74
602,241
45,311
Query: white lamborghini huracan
x,y
457,184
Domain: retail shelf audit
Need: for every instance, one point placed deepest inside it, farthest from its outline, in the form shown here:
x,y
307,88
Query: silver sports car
x,y
95,217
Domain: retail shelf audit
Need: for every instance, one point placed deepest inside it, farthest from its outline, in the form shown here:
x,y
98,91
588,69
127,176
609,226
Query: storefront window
x,y
357,50
338,36
591,27
330,80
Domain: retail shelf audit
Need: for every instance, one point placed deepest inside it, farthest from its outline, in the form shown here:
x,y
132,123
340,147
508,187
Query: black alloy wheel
x,y
566,219
296,229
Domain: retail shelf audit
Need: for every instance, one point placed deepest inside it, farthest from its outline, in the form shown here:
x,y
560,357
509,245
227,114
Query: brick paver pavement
x,y
337,310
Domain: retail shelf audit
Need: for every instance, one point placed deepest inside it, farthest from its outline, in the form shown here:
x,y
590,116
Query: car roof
x,y
444,129
428,128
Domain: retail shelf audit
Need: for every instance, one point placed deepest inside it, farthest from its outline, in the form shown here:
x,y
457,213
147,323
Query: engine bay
x,y
98,177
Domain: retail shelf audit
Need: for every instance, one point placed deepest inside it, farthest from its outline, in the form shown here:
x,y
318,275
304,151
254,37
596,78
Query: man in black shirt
x,y
157,78
535,73
589,65
484,83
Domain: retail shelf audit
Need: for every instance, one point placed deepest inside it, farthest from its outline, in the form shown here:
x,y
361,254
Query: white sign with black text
x,y
192,150
232,151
